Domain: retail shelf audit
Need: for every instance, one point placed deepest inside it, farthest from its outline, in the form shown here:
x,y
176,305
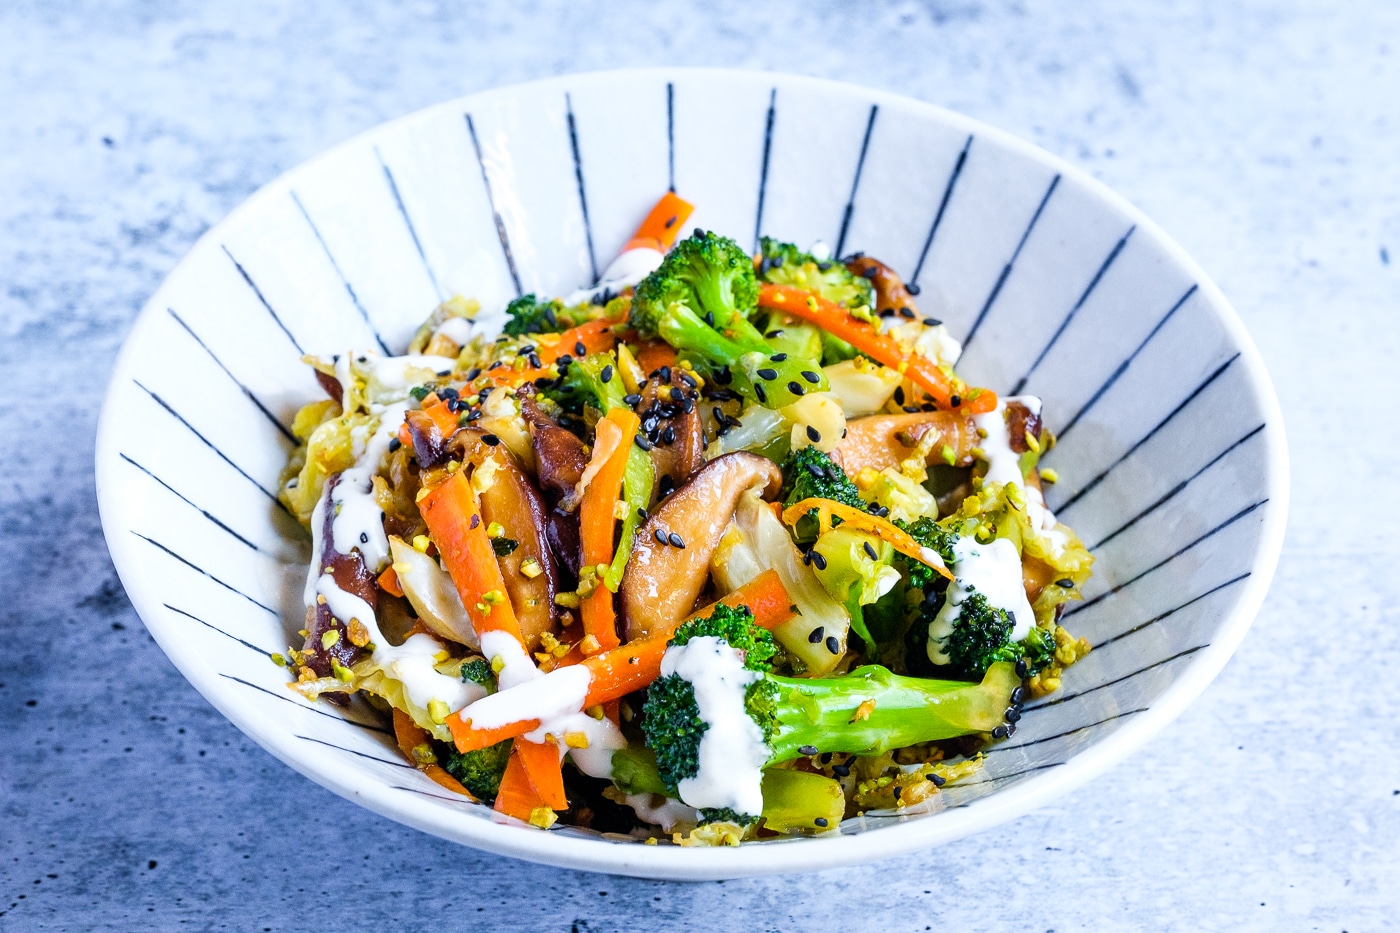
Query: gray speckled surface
x,y
1263,136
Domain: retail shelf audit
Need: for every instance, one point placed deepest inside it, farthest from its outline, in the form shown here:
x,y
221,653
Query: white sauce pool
x,y
629,268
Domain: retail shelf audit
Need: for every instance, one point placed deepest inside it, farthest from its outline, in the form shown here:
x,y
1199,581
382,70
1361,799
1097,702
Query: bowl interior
x,y
1170,451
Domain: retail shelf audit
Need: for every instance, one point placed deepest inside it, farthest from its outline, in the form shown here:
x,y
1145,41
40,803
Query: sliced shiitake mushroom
x,y
560,460
510,500
671,556
890,291
673,427
880,441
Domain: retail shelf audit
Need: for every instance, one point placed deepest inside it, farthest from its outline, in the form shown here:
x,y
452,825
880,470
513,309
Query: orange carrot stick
x,y
517,797
881,347
658,231
410,736
389,582
597,525
445,418
595,336
455,526
542,767
616,673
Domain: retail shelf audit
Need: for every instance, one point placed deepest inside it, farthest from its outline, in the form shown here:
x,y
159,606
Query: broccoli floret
x,y
869,711
529,315
785,264
809,473
478,671
591,381
980,633
699,301
479,771
735,626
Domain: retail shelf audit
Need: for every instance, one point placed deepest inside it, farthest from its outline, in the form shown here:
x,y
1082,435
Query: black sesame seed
x,y
606,375
937,779
724,376
676,540
821,821
535,361
759,393
870,551
769,374
955,400
669,435
811,377
796,389
632,399
580,349
661,537
677,395
814,435
887,312
641,441
642,513
698,231
833,644
870,272
816,635
364,537
774,334
687,380
818,561
1018,695
841,770
564,360
907,313
395,444
776,262
826,758
1010,729
778,358
1000,732
1021,668
474,414
1013,715
665,373
473,373
931,322
710,318
665,487
912,288
899,395
490,440
807,749
911,408
898,791
823,267
1065,584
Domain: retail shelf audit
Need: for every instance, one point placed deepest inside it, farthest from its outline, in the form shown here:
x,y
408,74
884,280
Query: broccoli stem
x,y
796,800
792,800
818,713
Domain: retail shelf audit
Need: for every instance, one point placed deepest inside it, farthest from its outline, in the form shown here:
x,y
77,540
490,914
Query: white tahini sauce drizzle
x,y
994,570
628,268
358,523
555,699
456,329
669,814
732,750
1004,466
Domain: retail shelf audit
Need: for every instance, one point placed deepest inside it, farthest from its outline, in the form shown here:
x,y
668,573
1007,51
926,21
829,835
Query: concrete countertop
x,y
1263,136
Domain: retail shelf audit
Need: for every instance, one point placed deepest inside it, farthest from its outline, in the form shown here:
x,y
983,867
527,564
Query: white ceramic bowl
x,y
1171,448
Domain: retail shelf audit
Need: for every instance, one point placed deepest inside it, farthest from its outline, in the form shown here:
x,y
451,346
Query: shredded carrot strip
x,y
881,347
881,528
660,228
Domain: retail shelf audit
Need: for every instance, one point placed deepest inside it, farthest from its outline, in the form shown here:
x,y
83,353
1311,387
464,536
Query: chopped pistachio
x,y
493,597
341,672
576,740
595,711
330,638
420,543
543,817
423,754
438,710
1049,475
531,568
495,530
278,659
